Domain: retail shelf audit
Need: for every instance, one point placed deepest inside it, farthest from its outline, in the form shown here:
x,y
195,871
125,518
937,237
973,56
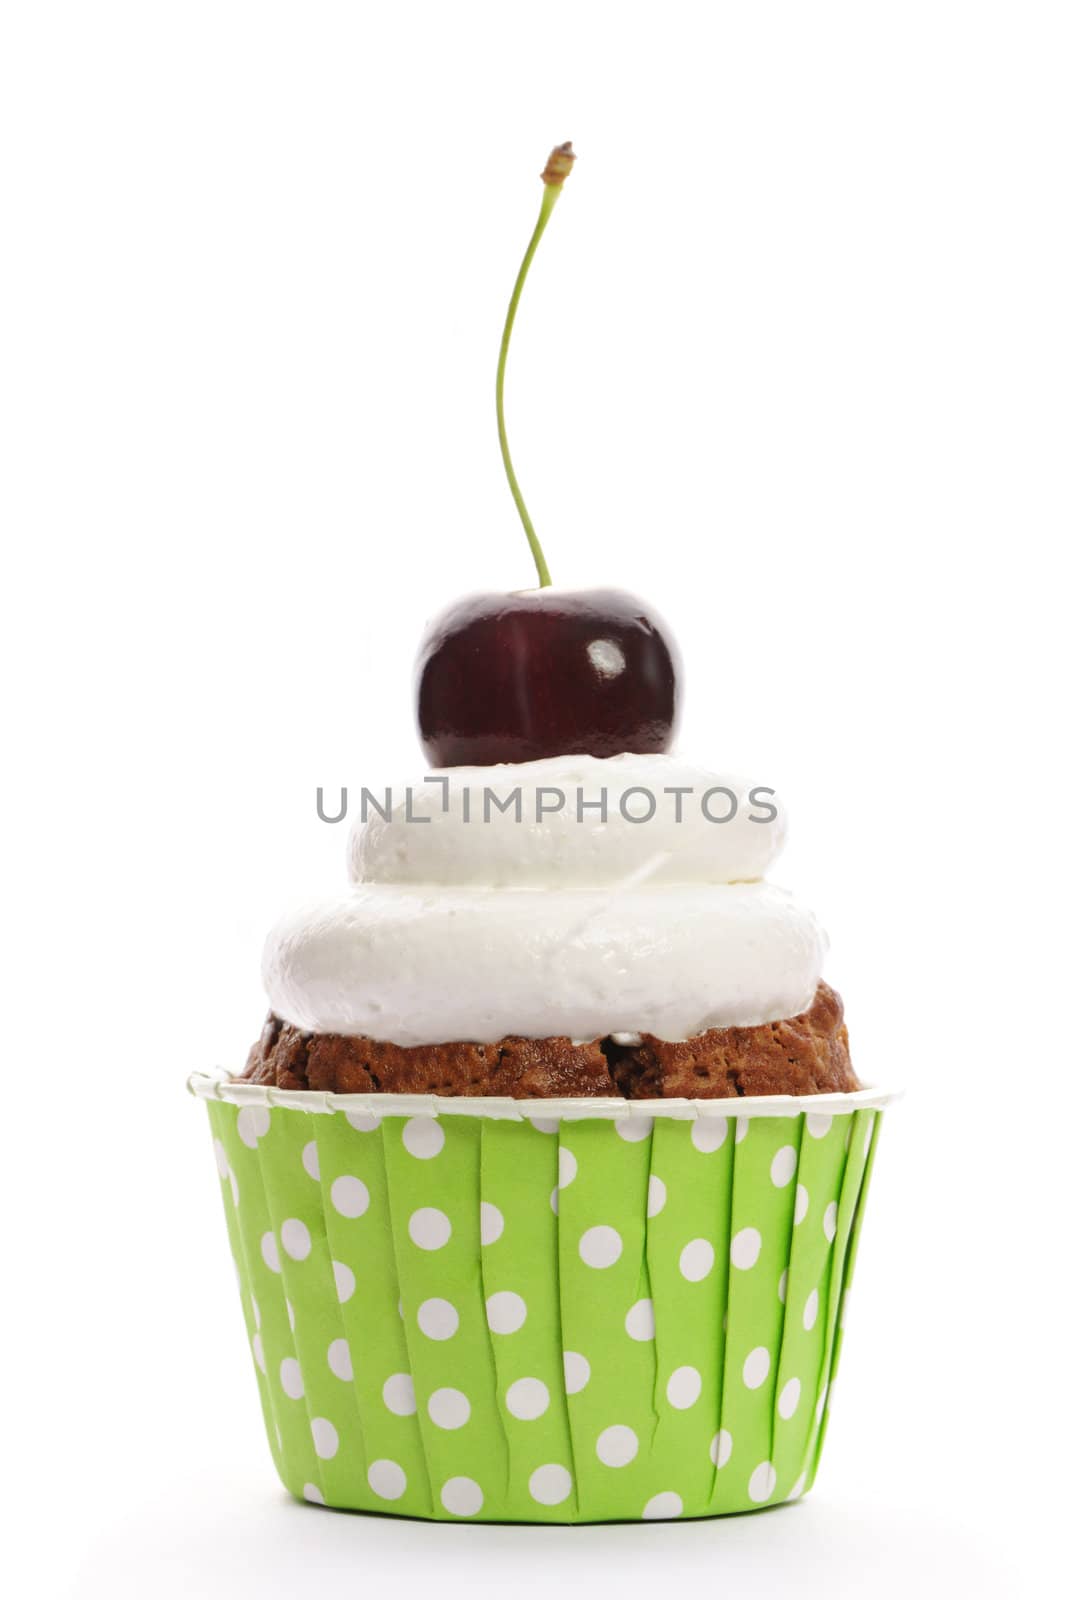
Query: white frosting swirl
x,y
539,825
551,925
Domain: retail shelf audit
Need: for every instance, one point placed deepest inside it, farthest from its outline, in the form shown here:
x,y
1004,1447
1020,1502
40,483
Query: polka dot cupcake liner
x,y
543,1311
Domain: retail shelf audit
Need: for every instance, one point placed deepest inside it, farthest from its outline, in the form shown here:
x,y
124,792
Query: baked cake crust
x,y
805,1054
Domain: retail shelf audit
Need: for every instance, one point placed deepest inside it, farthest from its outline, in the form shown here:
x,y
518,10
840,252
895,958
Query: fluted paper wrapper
x,y
577,1311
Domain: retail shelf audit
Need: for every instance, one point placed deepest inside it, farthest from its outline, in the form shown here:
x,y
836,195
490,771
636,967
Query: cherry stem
x,y
558,168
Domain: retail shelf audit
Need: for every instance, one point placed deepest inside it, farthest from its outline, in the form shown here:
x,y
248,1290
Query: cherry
x,y
546,672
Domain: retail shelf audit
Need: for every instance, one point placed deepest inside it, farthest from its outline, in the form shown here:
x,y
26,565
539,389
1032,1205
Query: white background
x,y
802,362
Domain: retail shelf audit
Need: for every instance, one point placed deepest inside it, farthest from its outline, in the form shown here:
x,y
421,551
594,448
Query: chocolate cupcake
x,y
544,1179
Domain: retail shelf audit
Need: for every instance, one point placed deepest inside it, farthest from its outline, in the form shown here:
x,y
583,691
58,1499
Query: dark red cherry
x,y
546,672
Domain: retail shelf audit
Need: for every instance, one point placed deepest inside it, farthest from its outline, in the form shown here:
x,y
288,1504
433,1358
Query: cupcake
x,y
545,1175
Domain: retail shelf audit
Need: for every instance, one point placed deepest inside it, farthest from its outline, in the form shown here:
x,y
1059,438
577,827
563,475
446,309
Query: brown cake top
x,y
805,1054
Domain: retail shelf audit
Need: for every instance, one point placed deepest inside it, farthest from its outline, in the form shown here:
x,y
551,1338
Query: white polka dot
x,y
349,1196
363,1121
600,1246
818,1124
290,1314
491,1223
633,1128
258,1352
662,1506
527,1398
741,1126
290,1376
550,1485
721,1448
423,1137
554,1200
577,1371
810,1310
462,1497
448,1409
505,1312
233,1185
782,1287
270,1251
567,1167
253,1124
221,1159
311,1160
696,1260
256,1310
801,1484
829,1221
683,1387
339,1359
344,1281
802,1202
821,1407
617,1446
782,1169
387,1479
311,1493
544,1124
438,1319
398,1394
708,1134
763,1481
641,1321
756,1367
429,1228
325,1437
746,1248
657,1197
788,1399
296,1240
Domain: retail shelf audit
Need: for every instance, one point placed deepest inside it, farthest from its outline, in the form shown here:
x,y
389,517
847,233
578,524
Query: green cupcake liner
x,y
543,1311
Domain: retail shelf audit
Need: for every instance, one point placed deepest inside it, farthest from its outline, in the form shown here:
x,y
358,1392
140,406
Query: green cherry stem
x,y
558,168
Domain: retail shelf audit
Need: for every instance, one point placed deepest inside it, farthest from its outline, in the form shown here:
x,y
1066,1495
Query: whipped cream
x,y
626,922
572,822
